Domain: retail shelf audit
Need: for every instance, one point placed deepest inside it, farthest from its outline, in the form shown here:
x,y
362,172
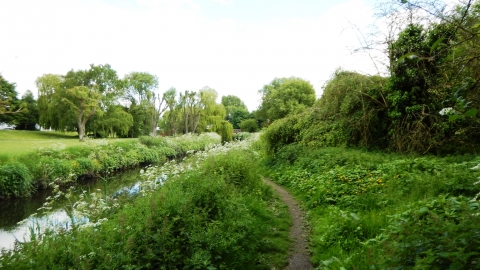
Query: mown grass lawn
x,y
19,142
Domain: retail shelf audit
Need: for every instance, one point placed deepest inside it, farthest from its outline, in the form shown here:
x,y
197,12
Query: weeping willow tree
x,y
116,120
50,95
212,113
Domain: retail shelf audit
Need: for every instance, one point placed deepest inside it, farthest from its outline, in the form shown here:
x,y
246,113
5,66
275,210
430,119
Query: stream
x,y
15,210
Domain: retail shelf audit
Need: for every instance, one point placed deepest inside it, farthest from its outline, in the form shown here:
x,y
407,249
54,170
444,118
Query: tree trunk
x,y
81,130
186,122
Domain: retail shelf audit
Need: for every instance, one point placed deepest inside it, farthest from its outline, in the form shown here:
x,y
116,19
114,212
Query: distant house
x,y
4,126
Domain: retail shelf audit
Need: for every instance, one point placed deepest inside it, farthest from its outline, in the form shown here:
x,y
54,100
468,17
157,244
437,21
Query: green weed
x,y
364,207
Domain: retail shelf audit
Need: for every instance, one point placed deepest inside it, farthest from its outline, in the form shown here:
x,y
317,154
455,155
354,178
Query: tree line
x,y
96,102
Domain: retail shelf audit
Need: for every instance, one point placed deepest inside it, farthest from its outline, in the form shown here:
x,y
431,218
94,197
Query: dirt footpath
x,y
299,254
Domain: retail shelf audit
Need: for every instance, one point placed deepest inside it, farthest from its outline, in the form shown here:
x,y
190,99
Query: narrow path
x,y
299,255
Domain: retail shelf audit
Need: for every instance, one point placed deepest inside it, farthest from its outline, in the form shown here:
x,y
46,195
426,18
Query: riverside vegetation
x,y
210,212
59,165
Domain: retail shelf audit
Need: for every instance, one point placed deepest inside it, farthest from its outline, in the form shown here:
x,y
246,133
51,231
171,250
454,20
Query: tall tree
x,y
233,101
84,103
212,114
284,96
54,114
116,120
172,106
141,87
236,111
9,103
28,118
190,104
76,96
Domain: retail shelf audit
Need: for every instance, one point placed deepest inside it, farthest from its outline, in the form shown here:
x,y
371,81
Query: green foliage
x,y
116,120
352,110
28,118
233,101
151,141
232,170
236,110
9,103
284,96
203,219
249,125
376,210
241,136
236,115
15,180
67,102
62,165
282,132
226,131
440,233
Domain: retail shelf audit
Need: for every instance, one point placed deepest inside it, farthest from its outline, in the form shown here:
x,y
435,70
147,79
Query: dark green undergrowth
x,y
372,210
21,175
221,216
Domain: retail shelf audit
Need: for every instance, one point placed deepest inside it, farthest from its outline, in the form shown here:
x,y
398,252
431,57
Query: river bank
x,y
22,175
213,211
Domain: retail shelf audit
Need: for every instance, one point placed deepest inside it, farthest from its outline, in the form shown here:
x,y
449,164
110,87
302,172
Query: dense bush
x,y
280,133
370,112
249,125
226,131
15,180
151,141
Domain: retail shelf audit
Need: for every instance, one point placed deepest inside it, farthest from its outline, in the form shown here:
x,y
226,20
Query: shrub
x,y
15,180
151,141
241,136
226,131
280,133
249,125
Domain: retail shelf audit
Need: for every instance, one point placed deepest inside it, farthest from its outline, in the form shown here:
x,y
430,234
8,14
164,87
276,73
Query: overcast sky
x,y
233,46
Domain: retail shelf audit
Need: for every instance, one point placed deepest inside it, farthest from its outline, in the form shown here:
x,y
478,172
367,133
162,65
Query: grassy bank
x,y
213,212
60,164
21,142
384,211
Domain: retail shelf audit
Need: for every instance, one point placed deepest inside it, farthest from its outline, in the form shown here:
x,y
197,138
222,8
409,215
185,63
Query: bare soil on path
x,y
299,254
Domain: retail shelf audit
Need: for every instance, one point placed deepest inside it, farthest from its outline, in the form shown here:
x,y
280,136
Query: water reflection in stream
x,y
15,210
